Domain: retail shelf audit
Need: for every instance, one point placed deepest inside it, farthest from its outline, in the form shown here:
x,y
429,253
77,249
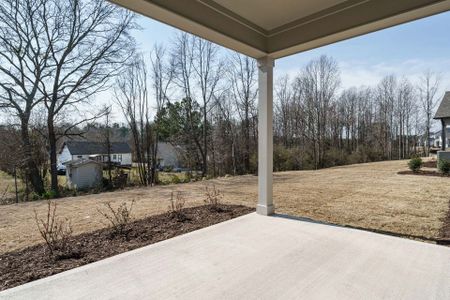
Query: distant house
x,y
443,115
436,138
168,155
75,150
83,173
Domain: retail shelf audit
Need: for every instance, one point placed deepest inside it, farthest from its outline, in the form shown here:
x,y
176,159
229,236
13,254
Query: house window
x,y
119,156
80,156
114,157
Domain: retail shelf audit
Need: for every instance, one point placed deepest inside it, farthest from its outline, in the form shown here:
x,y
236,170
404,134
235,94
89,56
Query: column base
x,y
265,210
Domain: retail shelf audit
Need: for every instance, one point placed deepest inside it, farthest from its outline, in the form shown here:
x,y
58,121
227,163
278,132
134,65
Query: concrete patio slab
x,y
257,257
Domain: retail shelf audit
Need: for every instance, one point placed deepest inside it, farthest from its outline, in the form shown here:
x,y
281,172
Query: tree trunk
x,y
205,144
53,159
31,171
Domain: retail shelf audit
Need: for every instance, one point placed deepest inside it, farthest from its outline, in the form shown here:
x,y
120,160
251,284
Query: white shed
x,y
83,173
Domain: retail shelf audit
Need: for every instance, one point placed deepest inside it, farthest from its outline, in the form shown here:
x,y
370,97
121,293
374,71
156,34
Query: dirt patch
x,y
33,263
430,164
424,173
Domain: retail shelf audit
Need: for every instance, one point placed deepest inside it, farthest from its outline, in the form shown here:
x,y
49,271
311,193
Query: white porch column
x,y
265,136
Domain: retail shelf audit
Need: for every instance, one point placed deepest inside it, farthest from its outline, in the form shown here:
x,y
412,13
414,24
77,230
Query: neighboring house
x,y
168,155
73,150
443,115
83,173
436,138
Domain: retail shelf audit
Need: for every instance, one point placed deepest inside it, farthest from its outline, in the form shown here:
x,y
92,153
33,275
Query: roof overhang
x,y
279,28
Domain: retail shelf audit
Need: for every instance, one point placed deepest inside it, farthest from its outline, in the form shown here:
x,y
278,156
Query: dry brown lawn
x,y
371,195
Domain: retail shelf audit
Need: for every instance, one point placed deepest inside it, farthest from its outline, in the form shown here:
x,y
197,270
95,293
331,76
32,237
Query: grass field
x,y
371,195
7,186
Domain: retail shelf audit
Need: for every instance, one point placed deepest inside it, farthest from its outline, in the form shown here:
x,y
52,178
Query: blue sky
x,y
405,50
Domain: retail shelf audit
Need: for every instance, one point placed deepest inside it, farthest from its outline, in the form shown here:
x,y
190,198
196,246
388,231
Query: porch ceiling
x,y
279,28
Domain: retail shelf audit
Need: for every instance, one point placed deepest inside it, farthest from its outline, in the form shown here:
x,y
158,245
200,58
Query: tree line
x,y
56,56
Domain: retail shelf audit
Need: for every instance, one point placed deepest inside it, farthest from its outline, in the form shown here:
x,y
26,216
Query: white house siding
x,y
64,155
84,176
167,155
126,159
121,158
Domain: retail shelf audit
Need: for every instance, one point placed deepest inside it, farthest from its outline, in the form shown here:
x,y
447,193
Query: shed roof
x,y
81,162
90,148
279,28
443,110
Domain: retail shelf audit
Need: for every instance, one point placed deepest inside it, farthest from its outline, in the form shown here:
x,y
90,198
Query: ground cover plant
x,y
444,166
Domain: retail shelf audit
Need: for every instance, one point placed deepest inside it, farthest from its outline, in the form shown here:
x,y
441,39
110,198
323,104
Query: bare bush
x,y
56,232
119,217
176,206
3,197
214,197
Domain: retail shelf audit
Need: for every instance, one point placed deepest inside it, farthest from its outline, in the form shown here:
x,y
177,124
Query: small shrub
x,y
444,166
214,197
55,232
188,177
3,198
415,164
175,179
105,183
118,218
168,169
49,194
120,180
176,206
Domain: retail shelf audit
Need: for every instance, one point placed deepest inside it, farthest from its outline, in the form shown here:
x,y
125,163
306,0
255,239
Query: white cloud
x,y
355,73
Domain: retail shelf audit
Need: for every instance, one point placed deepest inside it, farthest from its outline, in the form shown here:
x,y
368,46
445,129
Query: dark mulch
x,y
430,164
424,173
32,263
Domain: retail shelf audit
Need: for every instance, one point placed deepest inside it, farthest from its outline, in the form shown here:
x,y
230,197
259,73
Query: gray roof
x,y
443,110
90,148
80,162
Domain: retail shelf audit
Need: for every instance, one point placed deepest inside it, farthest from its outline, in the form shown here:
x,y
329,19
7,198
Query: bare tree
x,y
24,54
162,75
198,68
209,69
107,142
182,51
89,44
318,83
243,79
131,93
429,85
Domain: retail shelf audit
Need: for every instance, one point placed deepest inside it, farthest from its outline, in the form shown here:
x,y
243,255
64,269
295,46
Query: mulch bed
x,y
33,263
430,164
424,173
